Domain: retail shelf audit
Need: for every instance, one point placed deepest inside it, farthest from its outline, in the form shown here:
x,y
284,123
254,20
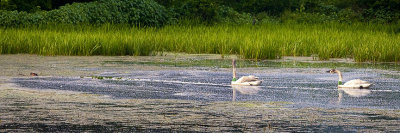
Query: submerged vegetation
x,y
363,42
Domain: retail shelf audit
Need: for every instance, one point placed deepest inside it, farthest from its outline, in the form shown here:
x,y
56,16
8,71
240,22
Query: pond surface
x,y
302,87
192,93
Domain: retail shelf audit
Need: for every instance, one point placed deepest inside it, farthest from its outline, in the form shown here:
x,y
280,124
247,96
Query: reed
x,y
363,42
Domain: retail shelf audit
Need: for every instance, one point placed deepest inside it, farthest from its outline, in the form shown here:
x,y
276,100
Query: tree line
x,y
161,12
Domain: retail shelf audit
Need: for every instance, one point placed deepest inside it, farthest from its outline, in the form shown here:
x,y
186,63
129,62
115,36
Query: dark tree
x,y
31,5
57,3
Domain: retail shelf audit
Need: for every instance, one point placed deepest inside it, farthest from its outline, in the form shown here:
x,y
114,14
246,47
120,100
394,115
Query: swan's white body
x,y
356,83
245,80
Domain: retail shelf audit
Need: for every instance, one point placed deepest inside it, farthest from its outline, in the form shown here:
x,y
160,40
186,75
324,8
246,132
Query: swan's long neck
x,y
340,77
234,70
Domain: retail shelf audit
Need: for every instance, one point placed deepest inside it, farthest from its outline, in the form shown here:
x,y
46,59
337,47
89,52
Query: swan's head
x,y
332,71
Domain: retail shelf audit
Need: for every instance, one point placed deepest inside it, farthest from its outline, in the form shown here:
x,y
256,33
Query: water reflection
x,y
356,92
352,93
244,90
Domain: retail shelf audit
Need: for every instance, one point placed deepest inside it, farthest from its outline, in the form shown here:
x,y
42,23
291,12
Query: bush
x,y
30,5
204,10
304,17
228,15
12,18
347,16
150,13
379,16
264,18
134,12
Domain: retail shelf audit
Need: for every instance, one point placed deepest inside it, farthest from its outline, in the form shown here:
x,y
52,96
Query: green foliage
x,y
55,4
347,16
134,12
382,11
366,30
264,18
4,5
35,5
206,10
12,18
304,17
151,13
31,5
363,42
272,7
229,16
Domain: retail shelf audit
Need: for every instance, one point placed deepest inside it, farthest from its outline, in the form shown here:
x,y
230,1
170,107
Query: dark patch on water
x,y
105,104
287,126
21,103
66,127
370,116
382,117
304,89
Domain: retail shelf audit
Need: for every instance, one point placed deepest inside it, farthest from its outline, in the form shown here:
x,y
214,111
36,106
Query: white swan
x,y
245,80
356,83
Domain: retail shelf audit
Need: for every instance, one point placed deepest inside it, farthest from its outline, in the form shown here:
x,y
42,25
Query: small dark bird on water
x,y
34,74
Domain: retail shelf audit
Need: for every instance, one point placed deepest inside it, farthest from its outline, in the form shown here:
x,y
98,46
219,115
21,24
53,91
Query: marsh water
x,y
297,86
301,87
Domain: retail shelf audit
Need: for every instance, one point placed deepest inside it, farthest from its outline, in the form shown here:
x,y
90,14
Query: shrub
x,y
264,18
228,15
30,5
205,10
347,16
304,17
134,12
12,18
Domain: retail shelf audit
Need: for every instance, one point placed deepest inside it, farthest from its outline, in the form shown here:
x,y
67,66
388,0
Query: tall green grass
x,y
363,42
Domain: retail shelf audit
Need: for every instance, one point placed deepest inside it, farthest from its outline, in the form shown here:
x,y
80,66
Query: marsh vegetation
x,y
363,42
358,29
